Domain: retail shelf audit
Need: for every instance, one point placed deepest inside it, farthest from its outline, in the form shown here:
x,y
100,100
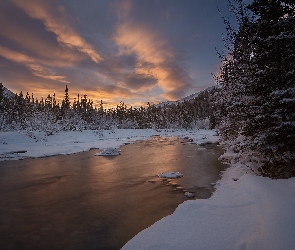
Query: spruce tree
x,y
66,100
258,88
65,106
273,129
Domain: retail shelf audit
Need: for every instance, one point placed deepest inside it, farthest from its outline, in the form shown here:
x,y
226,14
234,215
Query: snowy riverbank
x,y
250,213
245,212
14,145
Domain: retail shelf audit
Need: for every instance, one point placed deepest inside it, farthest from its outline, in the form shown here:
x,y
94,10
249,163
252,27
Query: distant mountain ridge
x,y
7,93
189,98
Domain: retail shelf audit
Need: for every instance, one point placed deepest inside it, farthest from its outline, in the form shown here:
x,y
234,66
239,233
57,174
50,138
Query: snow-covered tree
x,y
257,97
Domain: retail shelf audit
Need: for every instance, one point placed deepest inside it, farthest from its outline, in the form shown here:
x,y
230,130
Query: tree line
x,y
19,112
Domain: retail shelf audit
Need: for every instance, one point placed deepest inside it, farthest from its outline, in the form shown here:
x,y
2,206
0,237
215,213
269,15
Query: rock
x,y
189,195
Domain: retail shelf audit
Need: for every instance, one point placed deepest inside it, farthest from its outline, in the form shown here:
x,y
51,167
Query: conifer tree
x,y
258,88
65,106
66,100
1,92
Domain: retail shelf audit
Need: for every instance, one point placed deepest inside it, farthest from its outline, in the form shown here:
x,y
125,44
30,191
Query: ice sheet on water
x,y
171,175
109,152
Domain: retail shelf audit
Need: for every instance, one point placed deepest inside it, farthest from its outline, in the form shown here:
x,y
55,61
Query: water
x,y
82,201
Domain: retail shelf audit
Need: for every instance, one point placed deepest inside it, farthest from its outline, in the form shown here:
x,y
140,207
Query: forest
x,y
256,100
19,112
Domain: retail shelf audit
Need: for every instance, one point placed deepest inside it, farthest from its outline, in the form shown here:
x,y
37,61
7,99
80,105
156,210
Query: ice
x,y
39,144
189,195
108,152
171,175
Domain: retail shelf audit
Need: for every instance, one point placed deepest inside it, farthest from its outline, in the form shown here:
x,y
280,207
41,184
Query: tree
x,y
274,54
65,105
1,92
66,100
258,88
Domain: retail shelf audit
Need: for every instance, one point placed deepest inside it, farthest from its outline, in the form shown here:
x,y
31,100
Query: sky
x,y
135,51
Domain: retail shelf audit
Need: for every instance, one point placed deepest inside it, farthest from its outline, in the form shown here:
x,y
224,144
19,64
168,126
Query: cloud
x,y
155,56
44,46
55,21
39,46
140,82
111,95
35,67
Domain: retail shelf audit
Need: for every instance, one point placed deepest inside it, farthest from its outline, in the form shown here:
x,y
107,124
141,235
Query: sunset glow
x,y
125,50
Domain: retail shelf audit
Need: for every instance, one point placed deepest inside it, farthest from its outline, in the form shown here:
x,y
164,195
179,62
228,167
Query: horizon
x,y
96,103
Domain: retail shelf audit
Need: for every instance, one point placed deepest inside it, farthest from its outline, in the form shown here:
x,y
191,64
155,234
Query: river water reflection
x,y
82,201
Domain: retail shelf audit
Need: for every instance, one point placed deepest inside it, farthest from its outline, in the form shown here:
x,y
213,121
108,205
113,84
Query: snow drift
x,y
252,212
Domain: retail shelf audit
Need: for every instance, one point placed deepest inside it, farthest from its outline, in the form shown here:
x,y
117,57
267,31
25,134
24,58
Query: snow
x,y
7,93
252,55
245,212
189,194
108,152
20,145
187,98
171,175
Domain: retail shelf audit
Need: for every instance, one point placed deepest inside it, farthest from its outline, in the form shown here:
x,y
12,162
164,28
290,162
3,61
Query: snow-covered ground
x,y
245,212
14,145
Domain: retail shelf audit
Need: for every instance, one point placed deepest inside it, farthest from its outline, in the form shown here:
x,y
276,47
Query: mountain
x,y
7,93
190,98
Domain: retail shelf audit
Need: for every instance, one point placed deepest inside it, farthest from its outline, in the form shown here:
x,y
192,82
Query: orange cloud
x,y
30,40
146,43
55,21
36,68
155,56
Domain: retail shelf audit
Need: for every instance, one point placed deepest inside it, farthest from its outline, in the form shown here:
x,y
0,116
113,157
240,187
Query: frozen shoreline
x,y
250,213
245,212
21,145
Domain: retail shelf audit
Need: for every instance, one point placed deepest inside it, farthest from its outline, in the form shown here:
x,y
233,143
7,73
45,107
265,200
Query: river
x,y
82,201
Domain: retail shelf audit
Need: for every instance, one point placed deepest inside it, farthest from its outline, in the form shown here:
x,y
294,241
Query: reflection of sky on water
x,y
95,201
